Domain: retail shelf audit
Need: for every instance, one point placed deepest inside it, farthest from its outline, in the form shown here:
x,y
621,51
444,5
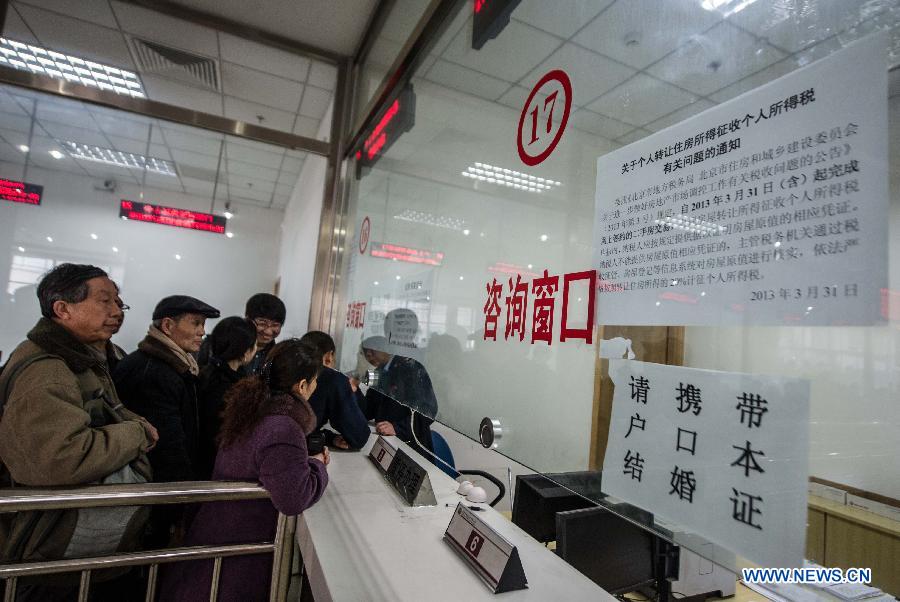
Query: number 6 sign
x,y
539,132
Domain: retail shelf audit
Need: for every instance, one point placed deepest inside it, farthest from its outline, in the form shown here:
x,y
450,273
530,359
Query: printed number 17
x,y
551,100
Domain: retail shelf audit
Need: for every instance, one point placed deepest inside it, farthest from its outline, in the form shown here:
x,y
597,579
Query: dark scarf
x,y
56,340
298,409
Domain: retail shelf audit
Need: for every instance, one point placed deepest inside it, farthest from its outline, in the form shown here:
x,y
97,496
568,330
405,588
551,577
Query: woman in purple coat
x,y
263,439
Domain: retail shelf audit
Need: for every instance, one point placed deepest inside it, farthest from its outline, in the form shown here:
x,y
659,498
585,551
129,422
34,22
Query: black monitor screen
x,y
615,554
536,503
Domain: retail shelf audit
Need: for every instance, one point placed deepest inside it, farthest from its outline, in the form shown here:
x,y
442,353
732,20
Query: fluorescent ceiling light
x,y
57,65
24,148
89,152
501,176
726,7
56,154
430,219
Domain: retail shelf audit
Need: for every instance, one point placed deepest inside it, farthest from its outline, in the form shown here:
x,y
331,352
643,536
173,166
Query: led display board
x,y
386,250
170,216
20,192
489,19
398,118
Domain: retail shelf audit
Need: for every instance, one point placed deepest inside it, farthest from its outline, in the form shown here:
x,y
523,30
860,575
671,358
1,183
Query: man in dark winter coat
x,y
159,381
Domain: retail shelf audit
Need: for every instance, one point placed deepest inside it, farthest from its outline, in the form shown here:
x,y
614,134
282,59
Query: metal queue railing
x,y
22,499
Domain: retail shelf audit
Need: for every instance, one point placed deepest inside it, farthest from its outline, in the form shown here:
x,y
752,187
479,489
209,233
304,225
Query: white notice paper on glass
x,y
723,454
770,208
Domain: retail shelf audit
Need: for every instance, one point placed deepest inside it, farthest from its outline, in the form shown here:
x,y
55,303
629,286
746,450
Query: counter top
x,y
362,542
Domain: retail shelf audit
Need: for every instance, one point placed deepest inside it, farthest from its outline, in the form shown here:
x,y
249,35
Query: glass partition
x,y
481,244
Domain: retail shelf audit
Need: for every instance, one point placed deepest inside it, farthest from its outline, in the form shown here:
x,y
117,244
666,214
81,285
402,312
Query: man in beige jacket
x,y
63,424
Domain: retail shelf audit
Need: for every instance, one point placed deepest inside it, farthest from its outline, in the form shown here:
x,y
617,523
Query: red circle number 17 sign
x,y
544,117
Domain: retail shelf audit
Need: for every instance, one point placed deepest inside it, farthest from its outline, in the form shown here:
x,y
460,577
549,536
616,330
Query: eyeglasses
x,y
266,324
121,305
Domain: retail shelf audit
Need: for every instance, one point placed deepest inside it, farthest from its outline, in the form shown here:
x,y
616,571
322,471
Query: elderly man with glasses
x,y
63,424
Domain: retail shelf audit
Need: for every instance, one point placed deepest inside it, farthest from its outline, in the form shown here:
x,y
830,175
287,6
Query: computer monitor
x,y
612,552
537,501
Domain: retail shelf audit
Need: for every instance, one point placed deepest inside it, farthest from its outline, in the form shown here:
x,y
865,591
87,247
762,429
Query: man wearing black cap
x,y
159,381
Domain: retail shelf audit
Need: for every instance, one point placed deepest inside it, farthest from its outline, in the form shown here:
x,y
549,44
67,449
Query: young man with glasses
x,y
267,312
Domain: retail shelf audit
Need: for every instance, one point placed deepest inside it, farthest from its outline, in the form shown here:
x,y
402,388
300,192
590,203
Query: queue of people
x,y
235,405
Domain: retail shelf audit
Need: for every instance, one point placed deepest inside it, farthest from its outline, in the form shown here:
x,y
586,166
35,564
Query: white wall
x,y
222,271
300,239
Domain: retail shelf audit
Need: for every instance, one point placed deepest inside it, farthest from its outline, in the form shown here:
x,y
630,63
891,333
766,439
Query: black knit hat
x,y
183,304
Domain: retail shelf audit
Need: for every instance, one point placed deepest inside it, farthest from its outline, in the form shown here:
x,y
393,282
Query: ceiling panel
x,y
306,126
79,38
248,172
287,180
165,90
505,57
634,136
710,61
291,165
559,18
10,162
201,188
258,114
198,160
335,25
467,80
75,134
260,87
256,153
322,75
19,123
515,97
155,26
759,78
263,58
595,74
105,171
795,25
600,125
640,100
315,102
15,29
680,115
255,172
95,11
126,127
13,138
655,28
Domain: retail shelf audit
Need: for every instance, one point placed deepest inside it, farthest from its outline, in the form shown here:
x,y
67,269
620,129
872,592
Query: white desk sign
x,y
722,454
768,209
382,454
492,557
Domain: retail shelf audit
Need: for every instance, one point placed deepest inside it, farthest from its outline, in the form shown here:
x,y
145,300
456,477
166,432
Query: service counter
x,y
362,542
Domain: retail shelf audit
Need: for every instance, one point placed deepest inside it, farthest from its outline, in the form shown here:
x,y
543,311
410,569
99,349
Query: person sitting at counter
x,y
263,439
402,400
334,400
